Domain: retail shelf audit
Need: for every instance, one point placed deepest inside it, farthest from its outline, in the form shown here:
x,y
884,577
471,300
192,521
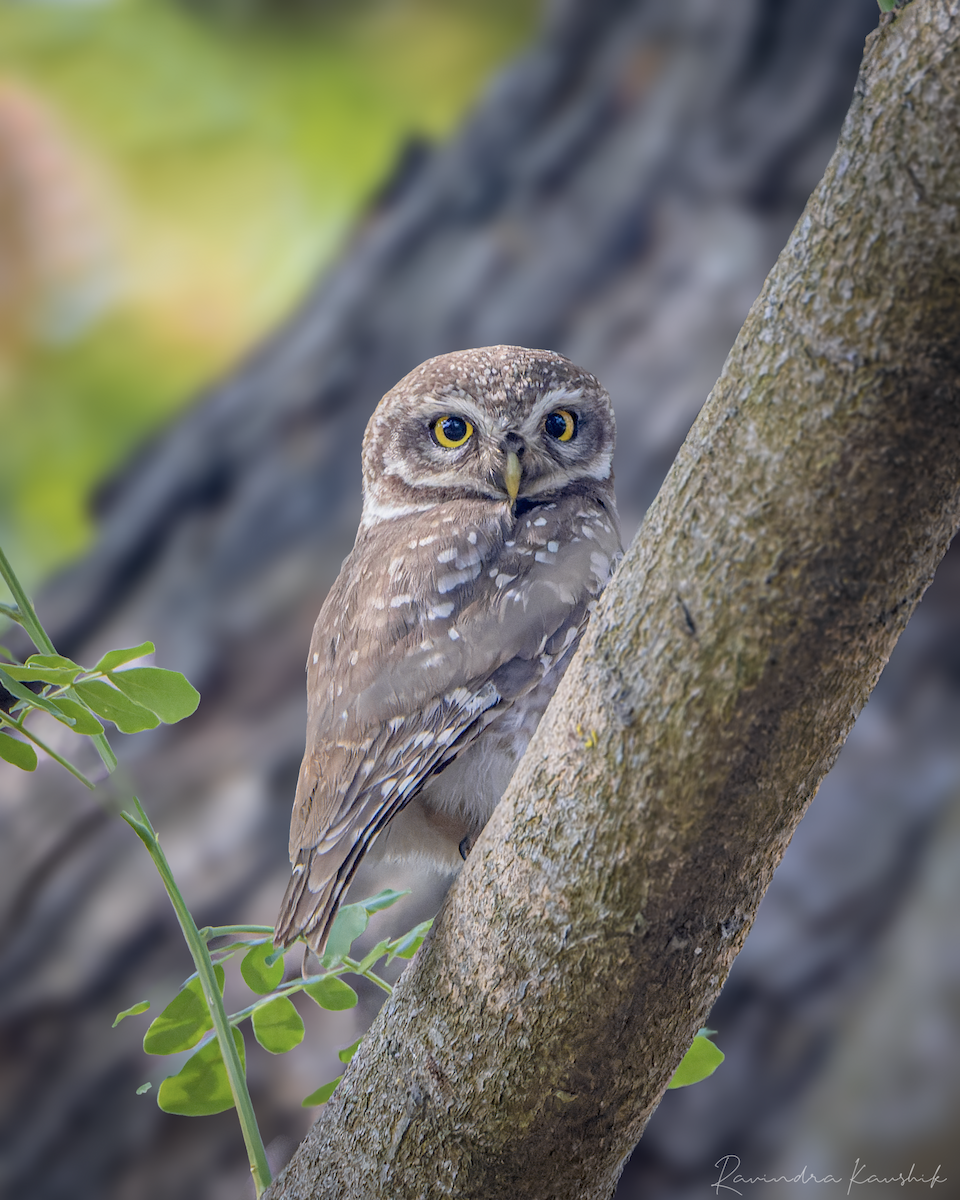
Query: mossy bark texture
x,y
596,919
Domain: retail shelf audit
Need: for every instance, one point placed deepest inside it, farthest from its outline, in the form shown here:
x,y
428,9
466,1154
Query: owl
x,y
489,528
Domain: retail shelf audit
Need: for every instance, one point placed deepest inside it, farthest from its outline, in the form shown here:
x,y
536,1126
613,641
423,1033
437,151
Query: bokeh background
x,y
226,228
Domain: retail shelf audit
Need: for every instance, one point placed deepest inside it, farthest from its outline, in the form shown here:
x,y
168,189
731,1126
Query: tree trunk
x,y
585,941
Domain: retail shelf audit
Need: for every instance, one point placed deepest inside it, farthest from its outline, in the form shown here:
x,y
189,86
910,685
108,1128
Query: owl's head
x,y
501,423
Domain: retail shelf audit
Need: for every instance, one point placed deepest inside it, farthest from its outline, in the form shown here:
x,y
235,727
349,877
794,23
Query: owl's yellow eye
x,y
451,432
561,425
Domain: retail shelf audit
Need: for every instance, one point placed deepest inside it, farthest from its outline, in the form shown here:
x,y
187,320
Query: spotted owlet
x,y
489,529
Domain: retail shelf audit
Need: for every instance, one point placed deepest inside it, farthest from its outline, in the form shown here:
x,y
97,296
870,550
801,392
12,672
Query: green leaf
x,y
107,702
30,699
701,1060
116,658
258,976
332,993
183,1022
83,719
383,900
8,655
144,1088
277,1025
407,945
20,754
133,1011
351,921
349,1051
201,1087
322,1094
49,668
167,693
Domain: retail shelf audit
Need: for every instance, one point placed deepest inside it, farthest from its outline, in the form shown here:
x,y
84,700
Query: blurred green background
x,y
173,176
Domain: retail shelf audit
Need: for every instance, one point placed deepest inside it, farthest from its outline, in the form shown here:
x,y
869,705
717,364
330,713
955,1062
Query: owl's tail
x,y
313,897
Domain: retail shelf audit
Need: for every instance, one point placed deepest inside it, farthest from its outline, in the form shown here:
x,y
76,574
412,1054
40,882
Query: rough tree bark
x,y
527,1045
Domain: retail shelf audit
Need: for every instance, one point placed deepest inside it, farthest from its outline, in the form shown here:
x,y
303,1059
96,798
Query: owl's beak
x,y
511,476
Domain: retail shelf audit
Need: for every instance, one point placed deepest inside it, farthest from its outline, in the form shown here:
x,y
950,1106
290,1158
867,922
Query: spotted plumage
x,y
489,529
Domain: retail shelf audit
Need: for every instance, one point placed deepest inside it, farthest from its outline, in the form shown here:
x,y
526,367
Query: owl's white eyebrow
x,y
548,401
372,511
460,404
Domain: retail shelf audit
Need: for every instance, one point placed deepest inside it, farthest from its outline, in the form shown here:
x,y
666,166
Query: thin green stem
x,y
259,1167
353,966
11,612
27,616
209,932
5,719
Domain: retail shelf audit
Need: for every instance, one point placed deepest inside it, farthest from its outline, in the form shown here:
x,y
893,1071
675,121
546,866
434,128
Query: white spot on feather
x,y
600,564
455,579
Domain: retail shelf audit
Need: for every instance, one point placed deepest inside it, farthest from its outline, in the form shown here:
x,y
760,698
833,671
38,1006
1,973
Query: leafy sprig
x,y
133,698
202,1086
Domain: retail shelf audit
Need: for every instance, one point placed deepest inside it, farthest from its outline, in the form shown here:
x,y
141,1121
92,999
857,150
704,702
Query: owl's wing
x,y
413,655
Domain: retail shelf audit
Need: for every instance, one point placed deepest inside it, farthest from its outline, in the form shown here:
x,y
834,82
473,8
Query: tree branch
x,y
529,1041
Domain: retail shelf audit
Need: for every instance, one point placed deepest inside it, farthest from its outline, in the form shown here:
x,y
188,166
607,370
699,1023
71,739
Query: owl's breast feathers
x,y
437,624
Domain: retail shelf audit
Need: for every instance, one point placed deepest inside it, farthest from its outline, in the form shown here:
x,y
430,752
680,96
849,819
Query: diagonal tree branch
x,y
586,939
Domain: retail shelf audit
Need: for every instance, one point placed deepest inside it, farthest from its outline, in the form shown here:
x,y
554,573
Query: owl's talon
x,y
466,846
